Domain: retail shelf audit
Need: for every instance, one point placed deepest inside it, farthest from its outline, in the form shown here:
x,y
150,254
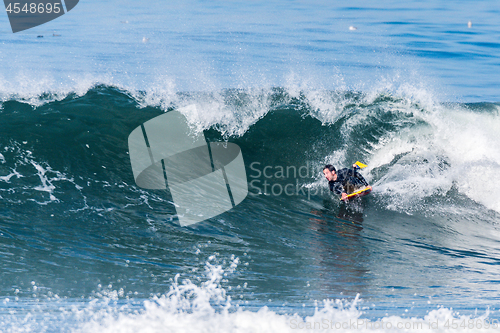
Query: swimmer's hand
x,y
344,197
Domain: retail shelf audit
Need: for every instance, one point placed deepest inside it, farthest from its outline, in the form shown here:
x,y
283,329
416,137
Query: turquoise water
x,y
408,89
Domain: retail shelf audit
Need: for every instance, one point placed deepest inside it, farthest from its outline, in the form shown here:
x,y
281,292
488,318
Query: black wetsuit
x,y
348,180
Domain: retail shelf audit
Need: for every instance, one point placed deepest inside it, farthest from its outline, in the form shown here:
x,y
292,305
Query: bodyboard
x,y
359,193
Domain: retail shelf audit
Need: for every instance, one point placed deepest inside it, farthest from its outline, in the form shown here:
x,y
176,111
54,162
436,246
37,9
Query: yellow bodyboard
x,y
359,193
361,165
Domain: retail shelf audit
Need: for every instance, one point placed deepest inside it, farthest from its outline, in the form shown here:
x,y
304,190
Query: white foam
x,y
26,166
188,307
456,147
7,178
206,307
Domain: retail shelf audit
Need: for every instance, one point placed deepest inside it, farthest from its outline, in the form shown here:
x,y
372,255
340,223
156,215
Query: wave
x,y
418,151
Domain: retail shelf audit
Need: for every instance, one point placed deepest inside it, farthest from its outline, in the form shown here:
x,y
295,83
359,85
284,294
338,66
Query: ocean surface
x,y
410,89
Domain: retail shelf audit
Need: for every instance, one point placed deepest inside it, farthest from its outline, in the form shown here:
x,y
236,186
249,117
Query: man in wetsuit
x,y
344,181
